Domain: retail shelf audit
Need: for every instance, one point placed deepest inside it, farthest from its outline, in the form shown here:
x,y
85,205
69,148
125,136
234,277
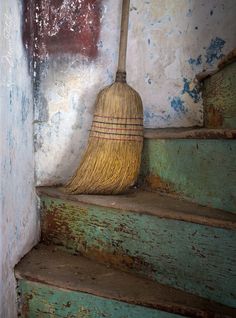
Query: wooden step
x,y
52,282
219,93
176,243
189,133
219,97
152,203
196,164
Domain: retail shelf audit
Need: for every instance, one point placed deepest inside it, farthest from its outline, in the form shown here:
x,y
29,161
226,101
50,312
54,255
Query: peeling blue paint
x,y
149,116
148,79
195,62
194,93
11,141
10,101
25,108
41,113
100,44
214,51
178,105
110,75
189,13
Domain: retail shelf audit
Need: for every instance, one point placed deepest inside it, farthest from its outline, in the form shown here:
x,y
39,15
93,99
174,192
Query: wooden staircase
x,y
165,249
53,283
195,164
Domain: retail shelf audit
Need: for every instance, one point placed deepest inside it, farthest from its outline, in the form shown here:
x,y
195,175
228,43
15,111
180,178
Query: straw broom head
x,y
112,160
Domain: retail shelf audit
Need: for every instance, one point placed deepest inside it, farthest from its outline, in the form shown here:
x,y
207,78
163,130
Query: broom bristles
x,y
112,160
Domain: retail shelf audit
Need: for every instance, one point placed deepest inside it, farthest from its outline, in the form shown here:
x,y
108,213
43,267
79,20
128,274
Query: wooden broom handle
x,y
121,71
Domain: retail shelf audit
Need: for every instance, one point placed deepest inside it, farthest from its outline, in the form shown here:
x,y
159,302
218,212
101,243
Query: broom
x,y
112,160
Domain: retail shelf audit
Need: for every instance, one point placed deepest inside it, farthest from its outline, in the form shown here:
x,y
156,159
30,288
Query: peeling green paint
x,y
203,171
43,301
195,258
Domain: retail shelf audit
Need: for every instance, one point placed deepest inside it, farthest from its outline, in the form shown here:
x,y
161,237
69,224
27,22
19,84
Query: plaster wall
x,y
18,213
169,43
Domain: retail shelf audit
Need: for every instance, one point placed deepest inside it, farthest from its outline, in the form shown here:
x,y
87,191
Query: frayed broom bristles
x,y
112,159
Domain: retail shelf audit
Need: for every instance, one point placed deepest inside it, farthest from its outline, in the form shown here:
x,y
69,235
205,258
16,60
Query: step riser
x,y
40,300
202,171
195,258
219,98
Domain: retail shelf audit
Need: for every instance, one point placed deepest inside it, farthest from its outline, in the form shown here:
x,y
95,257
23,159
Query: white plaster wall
x,y
169,43
18,215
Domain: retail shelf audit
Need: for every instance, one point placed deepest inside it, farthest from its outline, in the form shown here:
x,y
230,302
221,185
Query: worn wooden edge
x,y
202,76
226,60
189,133
151,203
51,266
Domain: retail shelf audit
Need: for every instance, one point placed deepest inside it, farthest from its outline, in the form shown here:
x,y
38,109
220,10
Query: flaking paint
x,y
219,93
146,244
202,171
68,26
18,215
169,43
70,304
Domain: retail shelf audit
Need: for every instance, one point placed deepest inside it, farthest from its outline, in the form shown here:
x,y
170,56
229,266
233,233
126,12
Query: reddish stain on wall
x,y
62,26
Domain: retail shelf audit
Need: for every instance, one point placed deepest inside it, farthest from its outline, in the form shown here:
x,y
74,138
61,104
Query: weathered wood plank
x,y
43,301
203,171
219,98
153,203
189,133
195,258
81,277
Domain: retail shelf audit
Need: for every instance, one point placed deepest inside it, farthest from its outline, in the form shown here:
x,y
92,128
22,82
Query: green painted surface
x,y
219,96
192,257
203,171
43,301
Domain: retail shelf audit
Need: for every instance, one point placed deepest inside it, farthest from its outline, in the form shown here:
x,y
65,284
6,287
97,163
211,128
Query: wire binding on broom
x,y
117,128
112,160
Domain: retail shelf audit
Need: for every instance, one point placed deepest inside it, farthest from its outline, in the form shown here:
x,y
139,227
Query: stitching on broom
x,y
119,139
115,128
111,117
108,133
122,124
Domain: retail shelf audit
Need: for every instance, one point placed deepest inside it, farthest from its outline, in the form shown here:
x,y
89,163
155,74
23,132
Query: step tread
x,y
49,265
153,203
189,133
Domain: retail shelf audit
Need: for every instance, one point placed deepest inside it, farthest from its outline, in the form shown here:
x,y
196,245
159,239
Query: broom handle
x,y
121,71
